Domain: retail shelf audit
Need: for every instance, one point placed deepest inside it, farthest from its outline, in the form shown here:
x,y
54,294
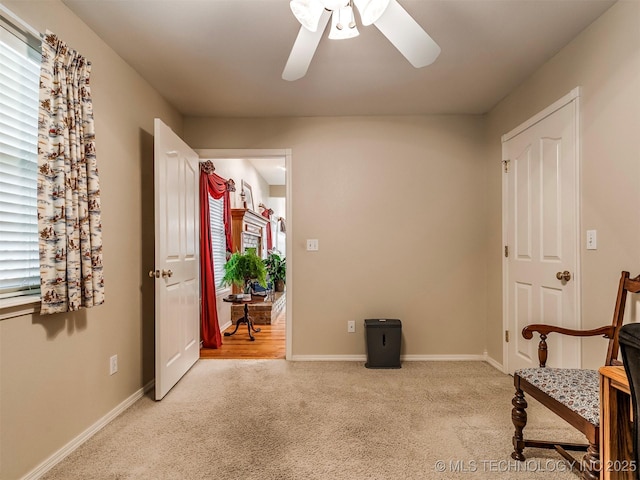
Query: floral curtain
x,y
69,224
217,187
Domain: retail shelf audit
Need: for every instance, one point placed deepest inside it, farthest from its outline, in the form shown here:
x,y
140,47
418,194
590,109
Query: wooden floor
x,y
269,342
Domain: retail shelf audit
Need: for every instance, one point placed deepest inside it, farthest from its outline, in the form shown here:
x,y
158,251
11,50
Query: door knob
x,y
166,273
566,275
154,273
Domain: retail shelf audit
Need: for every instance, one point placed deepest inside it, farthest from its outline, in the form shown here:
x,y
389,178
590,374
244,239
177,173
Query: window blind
x,y
19,90
218,239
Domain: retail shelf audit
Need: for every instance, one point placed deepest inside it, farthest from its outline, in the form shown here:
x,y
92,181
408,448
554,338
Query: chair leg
x,y
519,419
591,462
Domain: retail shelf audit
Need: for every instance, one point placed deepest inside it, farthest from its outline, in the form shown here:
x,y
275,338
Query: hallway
x,y
269,343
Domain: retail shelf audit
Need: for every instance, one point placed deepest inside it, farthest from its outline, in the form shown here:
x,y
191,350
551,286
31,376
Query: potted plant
x,y
277,270
243,268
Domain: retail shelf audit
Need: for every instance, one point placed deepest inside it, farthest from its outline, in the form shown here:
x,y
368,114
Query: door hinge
x,y
506,336
506,164
506,251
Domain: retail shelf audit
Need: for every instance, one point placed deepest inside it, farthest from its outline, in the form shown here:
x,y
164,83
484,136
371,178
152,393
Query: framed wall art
x,y
247,193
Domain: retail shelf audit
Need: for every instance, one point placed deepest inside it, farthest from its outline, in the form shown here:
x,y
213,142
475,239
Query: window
x,y
218,238
19,83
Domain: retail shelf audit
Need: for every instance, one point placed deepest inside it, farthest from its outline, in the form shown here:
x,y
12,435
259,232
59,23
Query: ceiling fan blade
x,y
303,49
407,35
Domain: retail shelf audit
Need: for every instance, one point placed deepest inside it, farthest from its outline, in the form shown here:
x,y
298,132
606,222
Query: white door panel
x,y
522,301
176,171
541,218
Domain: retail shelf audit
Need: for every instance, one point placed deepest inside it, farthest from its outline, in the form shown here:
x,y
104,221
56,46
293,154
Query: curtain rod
x,y
20,23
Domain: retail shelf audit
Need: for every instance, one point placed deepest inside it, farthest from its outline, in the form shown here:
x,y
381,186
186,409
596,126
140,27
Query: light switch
x,y
592,243
312,245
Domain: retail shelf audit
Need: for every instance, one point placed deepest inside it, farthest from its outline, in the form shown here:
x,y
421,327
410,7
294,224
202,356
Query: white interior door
x,y
541,209
177,298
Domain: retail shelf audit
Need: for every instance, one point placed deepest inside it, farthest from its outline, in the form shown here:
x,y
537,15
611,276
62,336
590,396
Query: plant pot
x,y
279,285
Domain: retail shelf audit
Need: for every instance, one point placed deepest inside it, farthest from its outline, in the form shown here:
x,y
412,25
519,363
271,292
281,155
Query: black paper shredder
x,y
384,336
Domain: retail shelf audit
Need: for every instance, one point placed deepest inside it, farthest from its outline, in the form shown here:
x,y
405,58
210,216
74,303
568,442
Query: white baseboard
x,y
443,358
493,363
329,358
70,447
405,358
225,326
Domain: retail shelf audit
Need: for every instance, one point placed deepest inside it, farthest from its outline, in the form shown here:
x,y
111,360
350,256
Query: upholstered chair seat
x,y
576,389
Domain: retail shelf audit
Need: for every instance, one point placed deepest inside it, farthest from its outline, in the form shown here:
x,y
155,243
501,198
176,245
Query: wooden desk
x,y
616,438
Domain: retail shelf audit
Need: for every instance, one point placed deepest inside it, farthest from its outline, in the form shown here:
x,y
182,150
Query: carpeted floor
x,y
278,420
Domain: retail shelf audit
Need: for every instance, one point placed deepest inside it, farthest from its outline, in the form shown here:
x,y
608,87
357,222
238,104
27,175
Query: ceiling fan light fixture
x,y
395,23
371,10
307,12
343,24
334,4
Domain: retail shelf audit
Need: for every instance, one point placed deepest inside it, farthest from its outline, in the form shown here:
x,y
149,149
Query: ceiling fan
x,y
387,15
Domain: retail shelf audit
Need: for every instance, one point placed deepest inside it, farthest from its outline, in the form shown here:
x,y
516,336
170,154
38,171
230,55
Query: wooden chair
x,y
573,394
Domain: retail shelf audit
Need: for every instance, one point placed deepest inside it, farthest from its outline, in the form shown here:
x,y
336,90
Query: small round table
x,y
244,319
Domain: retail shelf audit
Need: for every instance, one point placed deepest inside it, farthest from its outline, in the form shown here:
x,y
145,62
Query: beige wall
x,y
54,370
605,61
397,204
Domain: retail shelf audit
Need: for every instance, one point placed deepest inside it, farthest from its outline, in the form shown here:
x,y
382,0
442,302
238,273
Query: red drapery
x,y
266,213
216,186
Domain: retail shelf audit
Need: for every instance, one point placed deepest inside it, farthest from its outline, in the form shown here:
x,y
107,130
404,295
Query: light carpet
x,y
273,419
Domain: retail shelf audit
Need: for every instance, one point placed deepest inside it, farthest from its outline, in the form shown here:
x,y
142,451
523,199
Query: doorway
x,y
261,171
541,234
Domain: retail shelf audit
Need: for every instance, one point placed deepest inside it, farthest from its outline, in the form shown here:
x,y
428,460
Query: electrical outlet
x,y
351,326
113,364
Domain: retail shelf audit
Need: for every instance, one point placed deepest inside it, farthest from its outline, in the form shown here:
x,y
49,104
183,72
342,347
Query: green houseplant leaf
x,y
242,268
276,267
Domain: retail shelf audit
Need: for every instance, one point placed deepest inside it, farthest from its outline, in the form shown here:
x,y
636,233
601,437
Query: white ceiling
x,y
225,57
